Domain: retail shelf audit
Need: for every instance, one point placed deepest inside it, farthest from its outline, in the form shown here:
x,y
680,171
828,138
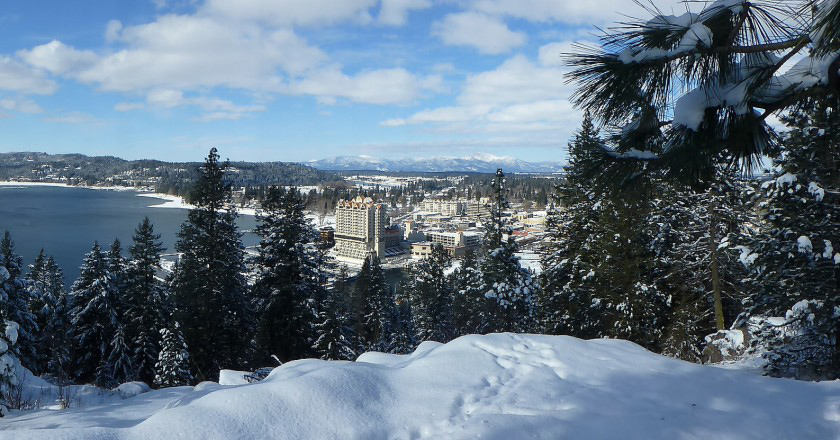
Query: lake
x,y
66,222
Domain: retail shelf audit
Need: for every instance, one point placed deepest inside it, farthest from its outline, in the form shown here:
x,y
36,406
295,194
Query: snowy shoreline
x,y
179,203
15,183
169,201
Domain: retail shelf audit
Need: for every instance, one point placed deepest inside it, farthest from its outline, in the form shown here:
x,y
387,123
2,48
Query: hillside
x,y
165,177
501,386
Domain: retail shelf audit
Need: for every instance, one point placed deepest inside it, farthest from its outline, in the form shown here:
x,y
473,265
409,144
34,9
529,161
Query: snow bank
x,y
131,389
502,386
233,377
730,343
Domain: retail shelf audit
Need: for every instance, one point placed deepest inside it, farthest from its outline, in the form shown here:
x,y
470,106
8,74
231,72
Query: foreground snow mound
x,y
502,386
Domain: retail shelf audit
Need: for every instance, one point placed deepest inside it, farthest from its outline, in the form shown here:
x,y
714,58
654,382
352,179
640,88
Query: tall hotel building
x,y
360,228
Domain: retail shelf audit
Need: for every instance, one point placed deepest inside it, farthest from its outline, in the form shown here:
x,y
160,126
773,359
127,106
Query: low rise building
x,y
393,237
456,243
421,249
451,208
327,235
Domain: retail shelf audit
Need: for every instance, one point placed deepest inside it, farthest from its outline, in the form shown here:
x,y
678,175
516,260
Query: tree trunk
x,y
713,245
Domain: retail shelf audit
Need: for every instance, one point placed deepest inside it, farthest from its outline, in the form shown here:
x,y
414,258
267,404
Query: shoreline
x,y
177,202
169,201
14,183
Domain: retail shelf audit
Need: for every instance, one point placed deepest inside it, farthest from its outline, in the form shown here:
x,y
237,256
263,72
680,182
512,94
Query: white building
x,y
456,243
451,208
469,240
360,228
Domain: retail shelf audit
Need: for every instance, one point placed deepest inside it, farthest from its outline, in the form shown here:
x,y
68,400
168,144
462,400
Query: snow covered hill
x,y
479,162
502,386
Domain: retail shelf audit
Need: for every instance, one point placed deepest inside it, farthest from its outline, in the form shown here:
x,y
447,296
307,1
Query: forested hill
x,y
166,177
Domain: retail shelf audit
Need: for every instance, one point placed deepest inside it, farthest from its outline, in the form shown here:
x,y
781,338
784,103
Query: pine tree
x,y
172,366
795,252
468,297
431,298
510,291
146,300
288,279
16,305
94,317
569,302
694,235
601,276
117,264
710,80
40,306
119,367
373,307
334,339
497,228
627,277
8,338
403,339
208,285
55,341
508,288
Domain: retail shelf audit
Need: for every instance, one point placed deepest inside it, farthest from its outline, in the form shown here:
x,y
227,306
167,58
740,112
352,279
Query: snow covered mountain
x,y
500,386
477,163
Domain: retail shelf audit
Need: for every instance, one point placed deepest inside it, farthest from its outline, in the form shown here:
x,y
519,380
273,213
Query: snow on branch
x,y
631,154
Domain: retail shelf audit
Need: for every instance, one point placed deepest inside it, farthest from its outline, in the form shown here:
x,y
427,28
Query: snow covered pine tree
x,y
208,285
94,318
7,340
172,368
16,303
146,299
794,253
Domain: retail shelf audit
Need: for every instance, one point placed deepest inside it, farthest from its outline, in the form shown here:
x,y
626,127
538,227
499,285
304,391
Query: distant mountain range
x,y
476,163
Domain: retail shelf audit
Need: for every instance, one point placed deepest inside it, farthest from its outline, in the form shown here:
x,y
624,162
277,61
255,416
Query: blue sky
x,y
292,80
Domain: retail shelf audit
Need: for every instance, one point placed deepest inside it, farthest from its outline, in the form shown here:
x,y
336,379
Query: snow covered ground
x,y
179,203
502,386
530,260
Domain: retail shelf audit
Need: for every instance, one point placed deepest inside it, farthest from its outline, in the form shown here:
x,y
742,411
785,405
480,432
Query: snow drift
x,y
502,386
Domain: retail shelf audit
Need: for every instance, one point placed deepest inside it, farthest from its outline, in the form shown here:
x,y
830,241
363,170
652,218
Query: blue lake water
x,y
66,222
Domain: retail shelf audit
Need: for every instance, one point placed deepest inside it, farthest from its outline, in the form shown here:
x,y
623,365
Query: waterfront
x,y
66,221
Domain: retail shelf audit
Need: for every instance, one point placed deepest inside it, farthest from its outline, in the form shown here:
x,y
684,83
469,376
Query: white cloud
x,y
382,86
171,4
22,105
520,98
179,51
178,55
129,106
18,77
214,108
292,12
184,52
58,58
71,118
444,68
112,30
552,54
571,12
487,34
395,12
518,80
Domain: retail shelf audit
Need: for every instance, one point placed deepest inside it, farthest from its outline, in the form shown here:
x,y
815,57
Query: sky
x,y
294,80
